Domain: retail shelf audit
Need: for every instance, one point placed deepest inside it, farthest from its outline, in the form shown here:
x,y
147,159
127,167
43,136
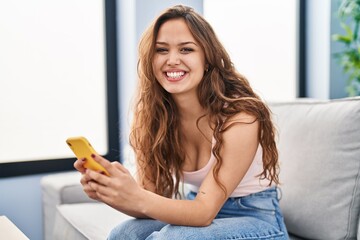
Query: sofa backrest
x,y
319,153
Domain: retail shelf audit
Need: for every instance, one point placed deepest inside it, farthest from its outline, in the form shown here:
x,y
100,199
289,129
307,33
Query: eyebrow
x,y
180,44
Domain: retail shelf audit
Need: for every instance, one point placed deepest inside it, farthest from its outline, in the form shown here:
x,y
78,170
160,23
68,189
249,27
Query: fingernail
x,y
84,159
92,155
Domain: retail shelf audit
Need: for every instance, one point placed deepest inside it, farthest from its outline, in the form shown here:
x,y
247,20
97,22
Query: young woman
x,y
196,121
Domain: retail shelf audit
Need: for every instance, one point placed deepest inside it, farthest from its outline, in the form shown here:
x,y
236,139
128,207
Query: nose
x,y
173,58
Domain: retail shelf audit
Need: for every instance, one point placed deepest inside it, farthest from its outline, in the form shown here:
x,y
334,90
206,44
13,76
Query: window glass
x,y
52,77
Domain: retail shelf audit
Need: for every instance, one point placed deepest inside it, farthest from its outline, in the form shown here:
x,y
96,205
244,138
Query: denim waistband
x,y
272,192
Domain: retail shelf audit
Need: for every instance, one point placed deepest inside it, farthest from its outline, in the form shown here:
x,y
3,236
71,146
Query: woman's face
x,y
179,61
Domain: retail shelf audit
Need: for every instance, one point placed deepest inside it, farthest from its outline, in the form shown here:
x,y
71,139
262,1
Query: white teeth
x,y
175,74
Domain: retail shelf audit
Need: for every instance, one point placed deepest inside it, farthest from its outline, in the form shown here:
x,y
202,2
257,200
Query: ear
x,y
206,67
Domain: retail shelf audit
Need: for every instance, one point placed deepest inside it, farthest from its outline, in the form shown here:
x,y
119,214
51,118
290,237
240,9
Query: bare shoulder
x,y
240,138
241,119
241,133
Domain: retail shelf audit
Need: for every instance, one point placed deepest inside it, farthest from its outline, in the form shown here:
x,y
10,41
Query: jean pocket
x,y
263,208
261,204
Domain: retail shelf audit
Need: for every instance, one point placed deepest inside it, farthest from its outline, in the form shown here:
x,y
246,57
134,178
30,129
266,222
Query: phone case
x,y
83,149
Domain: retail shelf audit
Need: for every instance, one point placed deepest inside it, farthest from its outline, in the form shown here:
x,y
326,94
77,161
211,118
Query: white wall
x,y
261,37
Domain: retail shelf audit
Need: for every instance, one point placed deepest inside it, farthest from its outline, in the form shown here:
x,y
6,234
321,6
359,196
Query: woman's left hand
x,y
119,190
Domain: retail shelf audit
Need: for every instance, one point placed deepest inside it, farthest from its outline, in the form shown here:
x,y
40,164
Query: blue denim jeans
x,y
256,216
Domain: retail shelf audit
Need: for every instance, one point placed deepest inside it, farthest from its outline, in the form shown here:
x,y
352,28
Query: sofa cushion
x,y
86,221
319,153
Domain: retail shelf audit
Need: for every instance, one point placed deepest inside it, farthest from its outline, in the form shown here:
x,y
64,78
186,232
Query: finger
x,y
99,189
93,195
79,165
90,192
105,163
82,180
87,188
85,178
97,177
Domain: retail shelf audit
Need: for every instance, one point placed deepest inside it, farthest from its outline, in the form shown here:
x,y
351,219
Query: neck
x,y
190,110
189,107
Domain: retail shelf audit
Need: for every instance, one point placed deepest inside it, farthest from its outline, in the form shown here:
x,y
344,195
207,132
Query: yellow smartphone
x,y
83,149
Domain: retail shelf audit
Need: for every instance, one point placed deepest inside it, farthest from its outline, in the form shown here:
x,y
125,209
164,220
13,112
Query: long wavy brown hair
x,y
156,133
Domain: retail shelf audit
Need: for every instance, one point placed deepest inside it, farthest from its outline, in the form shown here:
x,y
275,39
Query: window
x,y
58,79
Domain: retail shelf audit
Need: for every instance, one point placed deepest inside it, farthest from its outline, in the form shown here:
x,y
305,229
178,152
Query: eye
x,y
161,50
186,50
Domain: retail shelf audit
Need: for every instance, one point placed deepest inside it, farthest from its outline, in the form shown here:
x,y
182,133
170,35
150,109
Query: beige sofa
x,y
319,146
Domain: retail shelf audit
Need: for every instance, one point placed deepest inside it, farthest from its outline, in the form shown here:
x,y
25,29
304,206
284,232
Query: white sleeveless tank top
x,y
251,183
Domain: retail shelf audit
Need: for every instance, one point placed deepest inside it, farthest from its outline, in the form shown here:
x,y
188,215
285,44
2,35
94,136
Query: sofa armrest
x,y
57,189
63,188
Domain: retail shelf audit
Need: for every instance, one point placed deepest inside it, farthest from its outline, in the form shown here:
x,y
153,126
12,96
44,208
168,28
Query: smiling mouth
x,y
175,75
